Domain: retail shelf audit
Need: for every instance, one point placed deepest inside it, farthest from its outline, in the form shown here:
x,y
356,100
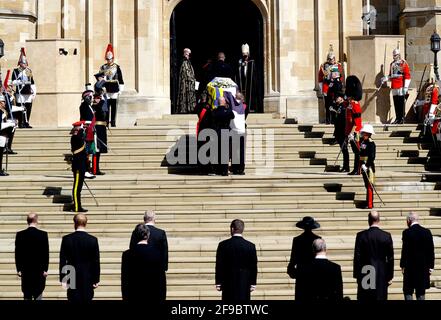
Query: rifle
x,y
373,186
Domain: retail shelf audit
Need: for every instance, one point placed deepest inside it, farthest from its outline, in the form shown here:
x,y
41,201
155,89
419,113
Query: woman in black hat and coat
x,y
301,252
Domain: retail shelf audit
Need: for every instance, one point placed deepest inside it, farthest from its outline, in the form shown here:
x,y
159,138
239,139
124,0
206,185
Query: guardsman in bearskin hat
x,y
100,107
25,89
331,78
367,165
79,163
399,76
87,114
114,83
354,93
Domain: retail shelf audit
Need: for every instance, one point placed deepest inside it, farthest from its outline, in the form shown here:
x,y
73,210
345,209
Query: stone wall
x,y
297,38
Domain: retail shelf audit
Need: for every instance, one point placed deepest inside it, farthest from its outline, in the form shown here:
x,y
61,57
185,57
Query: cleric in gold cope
x,y
114,83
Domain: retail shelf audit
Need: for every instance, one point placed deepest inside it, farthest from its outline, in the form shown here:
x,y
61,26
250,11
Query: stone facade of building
x,y
297,35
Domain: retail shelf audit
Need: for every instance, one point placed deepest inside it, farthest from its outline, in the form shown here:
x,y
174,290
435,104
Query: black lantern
x,y
435,46
2,48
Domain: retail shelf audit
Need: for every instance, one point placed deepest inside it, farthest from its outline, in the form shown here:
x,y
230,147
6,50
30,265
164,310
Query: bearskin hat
x,y
354,89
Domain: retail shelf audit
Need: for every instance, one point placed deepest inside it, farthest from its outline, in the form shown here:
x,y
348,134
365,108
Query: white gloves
x,y
351,137
405,90
385,79
364,168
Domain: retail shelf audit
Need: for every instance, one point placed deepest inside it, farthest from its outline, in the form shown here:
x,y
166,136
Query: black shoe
x,y
80,210
9,151
100,173
353,173
334,142
27,126
344,170
3,173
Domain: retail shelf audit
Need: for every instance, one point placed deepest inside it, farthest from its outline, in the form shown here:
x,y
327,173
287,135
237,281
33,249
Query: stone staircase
x,y
196,210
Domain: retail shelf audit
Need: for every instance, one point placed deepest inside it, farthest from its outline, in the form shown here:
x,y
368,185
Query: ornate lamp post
x,y
435,46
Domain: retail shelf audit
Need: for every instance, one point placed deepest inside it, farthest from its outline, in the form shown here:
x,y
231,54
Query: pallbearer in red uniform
x,y
331,78
354,94
367,165
399,76
114,83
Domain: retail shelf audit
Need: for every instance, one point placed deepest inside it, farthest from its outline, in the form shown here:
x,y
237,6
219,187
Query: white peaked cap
x,y
368,128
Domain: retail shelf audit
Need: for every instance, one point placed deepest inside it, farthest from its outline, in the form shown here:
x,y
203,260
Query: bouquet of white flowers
x,y
223,83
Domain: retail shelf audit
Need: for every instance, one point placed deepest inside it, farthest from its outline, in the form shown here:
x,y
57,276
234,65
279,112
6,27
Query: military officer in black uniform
x,y
339,108
367,158
114,83
79,163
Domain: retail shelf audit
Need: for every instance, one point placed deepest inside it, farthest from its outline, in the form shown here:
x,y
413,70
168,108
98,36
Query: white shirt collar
x,y
80,230
321,256
150,224
237,235
414,223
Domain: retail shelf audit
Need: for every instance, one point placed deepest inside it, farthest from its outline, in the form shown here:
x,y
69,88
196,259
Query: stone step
x,y
234,197
335,188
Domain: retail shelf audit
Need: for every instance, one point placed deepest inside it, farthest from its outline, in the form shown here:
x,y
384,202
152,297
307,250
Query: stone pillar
x,y
366,61
418,20
59,85
150,61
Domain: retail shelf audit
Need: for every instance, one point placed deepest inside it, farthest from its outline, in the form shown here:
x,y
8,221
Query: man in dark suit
x,y
157,238
373,261
80,262
322,278
417,258
142,275
32,259
301,252
236,266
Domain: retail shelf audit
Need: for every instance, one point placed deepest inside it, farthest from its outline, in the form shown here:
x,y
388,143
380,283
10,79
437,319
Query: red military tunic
x,y
399,73
353,117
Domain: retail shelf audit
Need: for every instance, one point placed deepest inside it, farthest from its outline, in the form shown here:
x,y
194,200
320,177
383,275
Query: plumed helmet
x,y
368,128
354,89
110,54
22,59
331,54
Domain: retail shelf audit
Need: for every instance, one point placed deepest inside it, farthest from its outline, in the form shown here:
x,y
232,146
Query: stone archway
x,y
260,7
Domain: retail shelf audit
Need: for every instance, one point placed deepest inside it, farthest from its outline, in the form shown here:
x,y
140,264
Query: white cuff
x,y
407,83
34,89
121,88
432,109
321,87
